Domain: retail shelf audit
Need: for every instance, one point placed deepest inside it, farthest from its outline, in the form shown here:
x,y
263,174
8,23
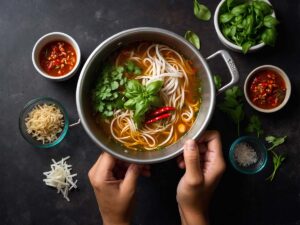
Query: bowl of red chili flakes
x,y
267,88
56,56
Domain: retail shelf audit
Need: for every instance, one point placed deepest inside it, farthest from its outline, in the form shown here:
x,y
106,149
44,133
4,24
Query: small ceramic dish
x,y
227,42
256,147
28,108
276,70
52,37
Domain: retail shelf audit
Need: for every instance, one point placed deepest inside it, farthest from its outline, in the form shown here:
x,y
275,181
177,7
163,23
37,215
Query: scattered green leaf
x,y
217,81
275,141
192,38
201,11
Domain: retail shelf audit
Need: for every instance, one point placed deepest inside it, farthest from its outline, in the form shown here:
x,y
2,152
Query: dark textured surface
x,y
240,199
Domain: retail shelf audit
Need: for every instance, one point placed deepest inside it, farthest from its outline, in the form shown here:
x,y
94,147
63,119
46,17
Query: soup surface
x,y
147,96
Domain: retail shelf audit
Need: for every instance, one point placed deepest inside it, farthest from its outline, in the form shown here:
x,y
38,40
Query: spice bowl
x,y
25,112
276,97
248,155
69,68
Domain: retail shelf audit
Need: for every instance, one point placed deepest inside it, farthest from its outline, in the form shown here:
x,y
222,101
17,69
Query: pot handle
x,y
231,67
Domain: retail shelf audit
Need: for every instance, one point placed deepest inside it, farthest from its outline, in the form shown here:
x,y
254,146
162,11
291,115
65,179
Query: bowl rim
x,y
34,102
281,73
228,43
100,47
262,149
71,41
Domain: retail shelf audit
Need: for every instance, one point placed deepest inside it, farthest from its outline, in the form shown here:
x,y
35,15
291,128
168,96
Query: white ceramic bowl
x,y
54,36
284,77
225,41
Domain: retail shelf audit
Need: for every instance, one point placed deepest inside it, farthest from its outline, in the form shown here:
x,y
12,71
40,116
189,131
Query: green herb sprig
x,y
141,98
275,141
254,126
233,106
192,38
248,24
277,162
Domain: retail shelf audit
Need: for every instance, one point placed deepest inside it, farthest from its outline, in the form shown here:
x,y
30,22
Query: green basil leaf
x,y
246,46
133,89
130,104
114,85
154,87
226,31
240,9
249,22
201,11
192,38
264,7
230,4
226,17
269,36
270,21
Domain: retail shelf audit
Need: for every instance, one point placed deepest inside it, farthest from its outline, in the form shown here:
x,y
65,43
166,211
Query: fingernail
x,y
190,145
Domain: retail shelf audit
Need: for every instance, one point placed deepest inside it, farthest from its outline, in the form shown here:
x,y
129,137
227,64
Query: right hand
x,y
204,164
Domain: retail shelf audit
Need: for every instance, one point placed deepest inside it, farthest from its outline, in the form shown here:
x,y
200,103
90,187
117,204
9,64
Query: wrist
x,y
194,215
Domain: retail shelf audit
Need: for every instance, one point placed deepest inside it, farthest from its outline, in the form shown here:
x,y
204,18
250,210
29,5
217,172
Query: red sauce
x,y
266,89
57,58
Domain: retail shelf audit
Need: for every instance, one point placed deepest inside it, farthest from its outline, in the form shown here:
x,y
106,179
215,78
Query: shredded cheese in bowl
x,y
45,122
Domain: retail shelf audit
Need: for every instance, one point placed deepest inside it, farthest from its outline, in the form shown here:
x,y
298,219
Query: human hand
x,y
204,165
114,184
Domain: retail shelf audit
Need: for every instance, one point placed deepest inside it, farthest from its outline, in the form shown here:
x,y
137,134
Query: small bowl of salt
x,y
248,155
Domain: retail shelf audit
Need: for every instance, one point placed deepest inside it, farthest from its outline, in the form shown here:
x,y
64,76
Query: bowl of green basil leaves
x,y
245,26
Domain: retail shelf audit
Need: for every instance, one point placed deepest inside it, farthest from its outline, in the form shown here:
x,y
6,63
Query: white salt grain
x,y
245,155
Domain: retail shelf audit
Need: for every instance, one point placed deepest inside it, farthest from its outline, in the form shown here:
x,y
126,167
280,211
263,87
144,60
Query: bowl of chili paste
x,y
56,56
267,88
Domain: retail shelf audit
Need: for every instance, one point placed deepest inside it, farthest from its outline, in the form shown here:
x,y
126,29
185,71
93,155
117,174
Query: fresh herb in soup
x,y
146,96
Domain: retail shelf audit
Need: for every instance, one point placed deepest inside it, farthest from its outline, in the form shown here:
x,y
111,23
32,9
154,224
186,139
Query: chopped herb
x,y
132,68
192,38
107,96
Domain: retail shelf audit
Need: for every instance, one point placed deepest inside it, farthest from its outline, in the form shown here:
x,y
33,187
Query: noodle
x,y
158,62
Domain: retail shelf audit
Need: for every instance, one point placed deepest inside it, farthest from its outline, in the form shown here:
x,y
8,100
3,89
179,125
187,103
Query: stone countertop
x,y
239,199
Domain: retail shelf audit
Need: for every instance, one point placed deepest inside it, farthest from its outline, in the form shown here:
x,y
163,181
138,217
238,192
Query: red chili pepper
x,y
163,116
162,110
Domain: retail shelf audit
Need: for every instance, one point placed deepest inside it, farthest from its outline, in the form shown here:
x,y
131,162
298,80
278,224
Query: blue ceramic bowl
x,y
261,152
28,108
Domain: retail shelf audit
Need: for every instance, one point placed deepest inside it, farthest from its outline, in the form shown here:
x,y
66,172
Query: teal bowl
x,y
28,108
258,146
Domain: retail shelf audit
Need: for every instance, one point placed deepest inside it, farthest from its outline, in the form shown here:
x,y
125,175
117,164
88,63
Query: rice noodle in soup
x,y
179,93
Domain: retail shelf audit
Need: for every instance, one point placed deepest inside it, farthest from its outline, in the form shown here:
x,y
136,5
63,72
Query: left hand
x,y
114,184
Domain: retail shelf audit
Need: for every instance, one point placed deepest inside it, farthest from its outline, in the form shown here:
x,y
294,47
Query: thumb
x,y
191,156
130,179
